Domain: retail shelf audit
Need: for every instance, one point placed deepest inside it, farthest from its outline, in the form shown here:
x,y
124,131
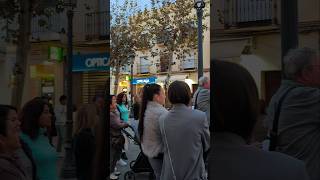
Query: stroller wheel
x,y
132,164
129,176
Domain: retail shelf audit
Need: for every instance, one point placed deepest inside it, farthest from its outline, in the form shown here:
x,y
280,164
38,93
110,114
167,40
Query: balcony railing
x,y
97,26
55,23
247,12
143,69
188,64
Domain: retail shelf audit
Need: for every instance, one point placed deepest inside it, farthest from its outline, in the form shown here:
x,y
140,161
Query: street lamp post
x,y
289,27
68,170
199,5
131,82
131,57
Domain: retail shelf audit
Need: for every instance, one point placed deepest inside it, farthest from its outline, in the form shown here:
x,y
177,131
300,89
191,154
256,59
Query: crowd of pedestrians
x,y
193,139
293,114
184,142
32,139
235,111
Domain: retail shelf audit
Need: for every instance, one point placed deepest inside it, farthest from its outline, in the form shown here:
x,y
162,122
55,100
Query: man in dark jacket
x,y
299,119
201,98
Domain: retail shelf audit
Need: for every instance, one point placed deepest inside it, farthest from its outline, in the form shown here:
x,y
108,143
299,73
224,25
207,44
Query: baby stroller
x,y
141,164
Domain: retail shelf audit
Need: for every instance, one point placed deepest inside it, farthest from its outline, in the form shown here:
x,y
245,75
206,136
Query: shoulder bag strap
x,y
274,131
162,130
196,100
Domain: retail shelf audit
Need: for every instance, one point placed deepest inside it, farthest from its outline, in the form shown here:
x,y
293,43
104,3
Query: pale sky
x,y
141,3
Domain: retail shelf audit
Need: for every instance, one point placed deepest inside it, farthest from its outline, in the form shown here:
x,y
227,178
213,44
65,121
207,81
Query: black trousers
x,y
114,157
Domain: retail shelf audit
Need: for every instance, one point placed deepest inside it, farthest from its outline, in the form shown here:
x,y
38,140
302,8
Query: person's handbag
x,y
117,142
273,136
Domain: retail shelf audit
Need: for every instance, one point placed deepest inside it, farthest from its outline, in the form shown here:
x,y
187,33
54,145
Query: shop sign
x,y
123,84
90,62
56,53
149,80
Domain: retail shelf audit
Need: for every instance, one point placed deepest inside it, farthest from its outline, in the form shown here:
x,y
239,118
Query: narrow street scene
x,y
159,90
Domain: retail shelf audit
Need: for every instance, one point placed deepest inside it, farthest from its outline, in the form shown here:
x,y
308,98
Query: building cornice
x,y
304,27
173,73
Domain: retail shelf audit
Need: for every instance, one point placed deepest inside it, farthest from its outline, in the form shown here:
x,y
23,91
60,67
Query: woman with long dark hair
x,y
116,137
153,99
35,120
122,105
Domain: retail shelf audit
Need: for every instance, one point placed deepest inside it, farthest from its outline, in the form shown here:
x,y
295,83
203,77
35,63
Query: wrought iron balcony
x,y
188,64
55,23
97,25
143,69
247,12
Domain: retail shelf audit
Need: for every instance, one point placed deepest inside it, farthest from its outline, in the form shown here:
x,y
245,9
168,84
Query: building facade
x,y
46,73
248,32
149,69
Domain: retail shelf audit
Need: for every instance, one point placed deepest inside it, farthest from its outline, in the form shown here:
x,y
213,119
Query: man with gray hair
x,y
295,109
201,98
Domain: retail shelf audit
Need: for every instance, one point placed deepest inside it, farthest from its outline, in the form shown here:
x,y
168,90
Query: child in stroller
x,y
141,164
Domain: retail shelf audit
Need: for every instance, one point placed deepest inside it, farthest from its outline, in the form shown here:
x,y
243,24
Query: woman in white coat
x,y
153,99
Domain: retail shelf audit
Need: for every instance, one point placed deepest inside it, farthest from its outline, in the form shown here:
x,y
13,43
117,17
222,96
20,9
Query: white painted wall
x,y
266,55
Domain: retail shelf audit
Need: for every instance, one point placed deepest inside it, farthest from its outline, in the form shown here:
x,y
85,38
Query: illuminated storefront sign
x,y
149,80
90,62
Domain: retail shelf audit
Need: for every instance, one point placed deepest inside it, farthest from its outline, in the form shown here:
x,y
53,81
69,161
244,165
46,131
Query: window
x,y
165,58
188,62
144,65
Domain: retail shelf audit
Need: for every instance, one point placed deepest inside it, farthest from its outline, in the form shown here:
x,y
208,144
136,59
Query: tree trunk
x,y
22,52
116,82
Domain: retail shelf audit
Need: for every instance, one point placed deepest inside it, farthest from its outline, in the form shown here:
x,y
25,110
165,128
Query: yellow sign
x,y
123,84
41,71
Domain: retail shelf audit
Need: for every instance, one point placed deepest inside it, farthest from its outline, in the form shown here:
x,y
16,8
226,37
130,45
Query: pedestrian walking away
x,y
185,135
293,114
84,140
235,111
201,98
